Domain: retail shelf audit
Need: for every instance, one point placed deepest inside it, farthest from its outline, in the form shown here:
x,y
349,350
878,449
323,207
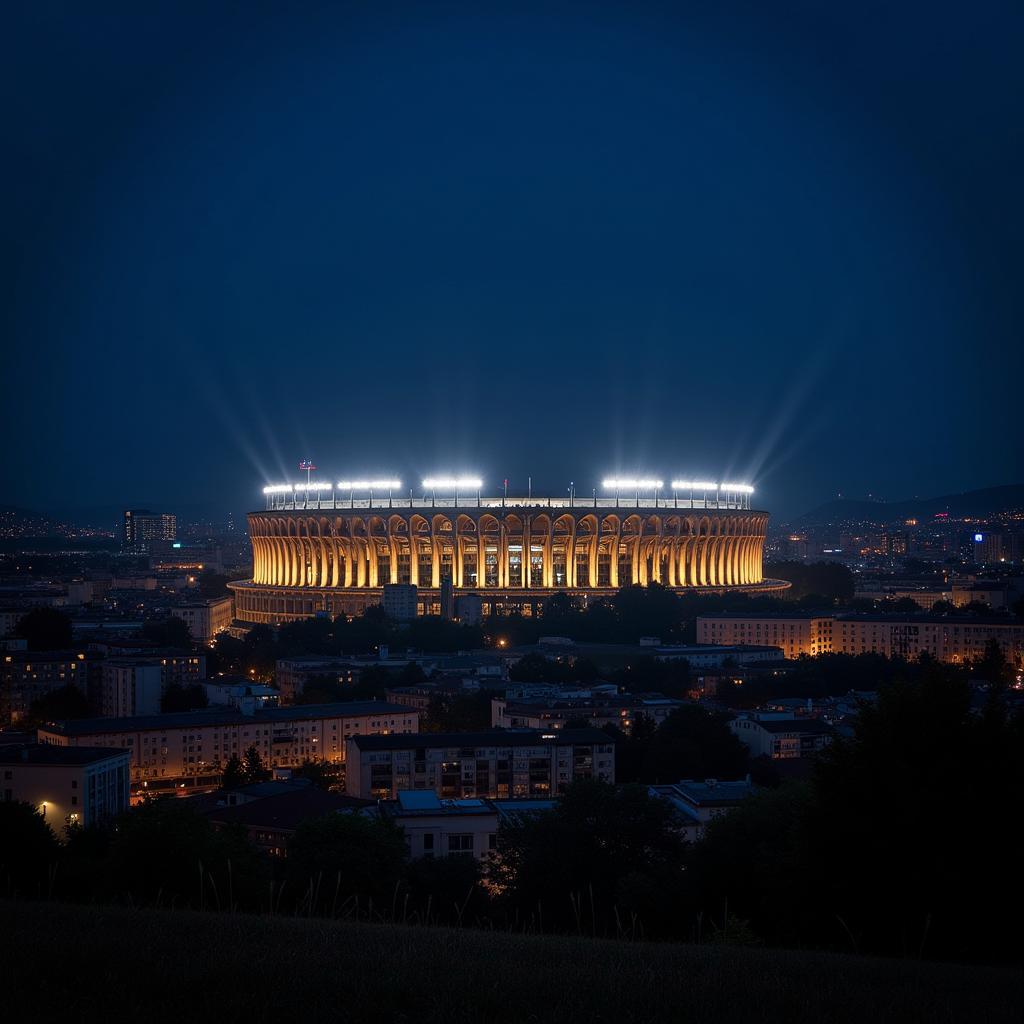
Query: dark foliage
x,y
59,705
45,629
339,859
602,860
28,851
183,698
828,581
165,852
168,632
891,847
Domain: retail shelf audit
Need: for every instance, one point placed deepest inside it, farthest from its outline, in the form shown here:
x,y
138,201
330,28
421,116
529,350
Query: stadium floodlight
x,y
277,489
314,485
694,485
448,483
631,484
369,485
738,488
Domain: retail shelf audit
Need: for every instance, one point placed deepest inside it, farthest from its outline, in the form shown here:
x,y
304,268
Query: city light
x,y
447,483
277,489
694,485
369,485
631,484
738,488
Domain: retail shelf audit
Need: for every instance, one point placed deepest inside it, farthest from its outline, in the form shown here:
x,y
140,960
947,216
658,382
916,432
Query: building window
x,y
460,844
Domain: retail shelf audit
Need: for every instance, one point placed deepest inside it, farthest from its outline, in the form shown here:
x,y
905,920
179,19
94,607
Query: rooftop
x,y
491,738
286,811
224,716
426,803
46,754
803,725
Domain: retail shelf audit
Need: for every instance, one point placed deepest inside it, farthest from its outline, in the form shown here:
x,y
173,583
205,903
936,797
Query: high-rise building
x,y
142,526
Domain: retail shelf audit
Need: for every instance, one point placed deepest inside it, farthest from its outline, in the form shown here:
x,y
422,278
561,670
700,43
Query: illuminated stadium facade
x,y
325,549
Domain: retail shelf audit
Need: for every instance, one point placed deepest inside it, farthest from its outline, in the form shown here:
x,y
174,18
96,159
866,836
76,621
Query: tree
x,y
234,773
600,856
752,863
168,632
829,582
465,712
653,610
45,629
992,667
445,890
341,858
693,744
253,767
165,851
28,851
323,774
323,690
864,857
60,705
213,584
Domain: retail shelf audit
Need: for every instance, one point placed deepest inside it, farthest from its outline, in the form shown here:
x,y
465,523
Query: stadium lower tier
x,y
256,603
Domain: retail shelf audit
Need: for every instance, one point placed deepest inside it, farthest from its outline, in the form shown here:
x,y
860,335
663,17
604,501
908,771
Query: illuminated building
x,y
80,786
205,619
944,638
795,633
141,527
131,686
323,550
190,749
780,736
501,763
25,676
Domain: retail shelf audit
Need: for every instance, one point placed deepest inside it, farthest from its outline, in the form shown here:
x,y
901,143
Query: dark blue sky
x,y
776,241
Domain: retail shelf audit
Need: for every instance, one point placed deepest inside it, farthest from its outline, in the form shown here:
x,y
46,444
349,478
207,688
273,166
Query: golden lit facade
x,y
336,560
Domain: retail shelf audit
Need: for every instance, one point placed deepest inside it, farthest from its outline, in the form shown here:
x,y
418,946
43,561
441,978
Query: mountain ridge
x,y
984,501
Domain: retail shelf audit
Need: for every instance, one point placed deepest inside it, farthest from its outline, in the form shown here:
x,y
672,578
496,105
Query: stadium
x,y
330,549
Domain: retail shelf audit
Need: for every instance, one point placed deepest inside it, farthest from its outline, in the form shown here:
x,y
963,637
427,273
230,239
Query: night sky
x,y
770,241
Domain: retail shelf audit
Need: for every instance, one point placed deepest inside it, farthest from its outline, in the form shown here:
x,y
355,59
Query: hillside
x,y
985,502
110,963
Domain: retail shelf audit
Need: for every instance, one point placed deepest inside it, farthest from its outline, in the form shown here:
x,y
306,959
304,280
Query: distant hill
x,y
985,502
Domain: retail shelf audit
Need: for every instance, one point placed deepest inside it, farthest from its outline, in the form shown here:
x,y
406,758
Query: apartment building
x,y
190,749
205,619
622,712
779,735
26,676
795,634
945,638
68,786
501,764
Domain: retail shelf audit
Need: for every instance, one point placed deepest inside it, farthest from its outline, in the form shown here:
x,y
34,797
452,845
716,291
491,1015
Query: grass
x,y
100,963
